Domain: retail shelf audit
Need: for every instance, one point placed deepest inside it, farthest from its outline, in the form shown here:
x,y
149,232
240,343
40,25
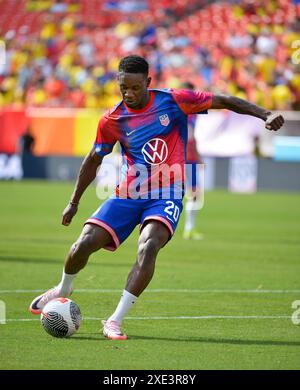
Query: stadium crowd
x,y
65,53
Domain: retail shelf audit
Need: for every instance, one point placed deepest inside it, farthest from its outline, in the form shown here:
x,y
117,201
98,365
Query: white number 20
x,y
172,210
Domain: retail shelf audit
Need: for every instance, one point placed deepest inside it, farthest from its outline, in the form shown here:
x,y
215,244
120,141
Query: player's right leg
x,y
92,238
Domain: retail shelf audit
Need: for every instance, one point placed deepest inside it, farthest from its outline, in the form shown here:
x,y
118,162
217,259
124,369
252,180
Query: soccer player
x,y
151,127
193,172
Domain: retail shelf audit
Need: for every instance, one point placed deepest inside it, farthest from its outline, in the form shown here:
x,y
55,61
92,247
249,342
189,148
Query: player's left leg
x,y
158,223
153,237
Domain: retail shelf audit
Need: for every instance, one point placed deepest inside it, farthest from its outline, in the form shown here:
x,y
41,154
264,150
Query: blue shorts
x,y
120,216
192,175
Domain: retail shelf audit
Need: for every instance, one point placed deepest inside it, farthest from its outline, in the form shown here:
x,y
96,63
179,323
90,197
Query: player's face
x,y
134,89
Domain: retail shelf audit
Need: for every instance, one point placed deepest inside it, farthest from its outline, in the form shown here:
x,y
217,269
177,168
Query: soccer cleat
x,y
112,331
40,302
192,235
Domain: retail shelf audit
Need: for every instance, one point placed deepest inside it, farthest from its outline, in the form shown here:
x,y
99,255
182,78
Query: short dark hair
x,y
134,64
188,85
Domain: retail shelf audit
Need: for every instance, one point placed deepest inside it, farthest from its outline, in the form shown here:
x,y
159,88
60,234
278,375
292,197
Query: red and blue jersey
x,y
153,141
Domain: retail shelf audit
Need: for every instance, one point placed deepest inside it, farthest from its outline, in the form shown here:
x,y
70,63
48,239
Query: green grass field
x,y
236,287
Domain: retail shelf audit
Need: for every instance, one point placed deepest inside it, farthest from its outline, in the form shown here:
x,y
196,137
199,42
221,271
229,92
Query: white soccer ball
x,y
61,317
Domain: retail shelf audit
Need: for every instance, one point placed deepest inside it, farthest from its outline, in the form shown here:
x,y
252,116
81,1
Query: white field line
x,y
196,317
166,290
212,317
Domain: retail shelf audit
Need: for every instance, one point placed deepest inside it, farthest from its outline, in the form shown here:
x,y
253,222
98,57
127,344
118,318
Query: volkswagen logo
x,y
155,151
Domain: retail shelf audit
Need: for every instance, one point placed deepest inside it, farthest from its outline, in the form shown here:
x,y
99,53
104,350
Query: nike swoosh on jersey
x,y
128,134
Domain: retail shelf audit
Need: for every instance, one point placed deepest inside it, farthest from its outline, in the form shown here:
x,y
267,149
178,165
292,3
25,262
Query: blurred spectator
x,y
59,6
26,143
266,44
65,53
25,151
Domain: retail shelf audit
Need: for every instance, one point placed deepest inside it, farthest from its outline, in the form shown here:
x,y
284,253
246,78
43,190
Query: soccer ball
x,y
61,317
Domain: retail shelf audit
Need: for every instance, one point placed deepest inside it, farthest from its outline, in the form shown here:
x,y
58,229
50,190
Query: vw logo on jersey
x,y
164,119
155,151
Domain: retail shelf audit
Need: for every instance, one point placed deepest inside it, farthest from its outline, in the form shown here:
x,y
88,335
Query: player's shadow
x,y
88,337
47,241
210,340
205,340
25,259
43,260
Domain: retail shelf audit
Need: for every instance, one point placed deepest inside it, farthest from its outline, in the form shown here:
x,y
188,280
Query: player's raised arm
x,y
86,175
241,106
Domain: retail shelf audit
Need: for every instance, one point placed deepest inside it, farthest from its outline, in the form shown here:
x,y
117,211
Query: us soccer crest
x,y
164,119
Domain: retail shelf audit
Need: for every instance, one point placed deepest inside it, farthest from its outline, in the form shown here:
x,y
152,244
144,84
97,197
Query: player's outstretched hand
x,y
274,122
69,213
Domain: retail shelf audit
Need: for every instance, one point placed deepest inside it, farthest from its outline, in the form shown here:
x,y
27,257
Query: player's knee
x,y
83,247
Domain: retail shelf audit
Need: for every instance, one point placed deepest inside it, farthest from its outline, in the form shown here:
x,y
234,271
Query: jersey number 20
x,y
172,210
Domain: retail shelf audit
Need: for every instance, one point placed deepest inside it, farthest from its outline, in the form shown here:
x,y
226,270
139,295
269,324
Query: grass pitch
x,y
221,303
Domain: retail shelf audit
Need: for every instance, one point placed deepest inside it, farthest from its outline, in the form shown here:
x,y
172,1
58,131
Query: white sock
x,y
127,300
190,214
66,283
